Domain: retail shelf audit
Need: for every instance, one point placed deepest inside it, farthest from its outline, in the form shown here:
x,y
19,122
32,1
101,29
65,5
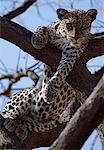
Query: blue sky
x,y
31,20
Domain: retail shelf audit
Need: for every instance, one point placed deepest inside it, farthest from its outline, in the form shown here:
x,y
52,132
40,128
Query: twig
x,y
5,68
13,78
20,9
18,59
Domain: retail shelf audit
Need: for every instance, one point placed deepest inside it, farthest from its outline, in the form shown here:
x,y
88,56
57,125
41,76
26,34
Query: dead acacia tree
x,y
80,78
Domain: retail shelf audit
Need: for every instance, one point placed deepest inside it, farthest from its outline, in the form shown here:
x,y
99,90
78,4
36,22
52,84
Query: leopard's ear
x,y
92,13
62,13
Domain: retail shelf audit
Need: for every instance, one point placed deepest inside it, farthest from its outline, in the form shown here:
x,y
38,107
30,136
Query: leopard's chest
x,y
45,111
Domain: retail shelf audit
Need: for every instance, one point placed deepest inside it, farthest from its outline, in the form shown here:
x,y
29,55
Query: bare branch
x,y
5,69
13,78
20,9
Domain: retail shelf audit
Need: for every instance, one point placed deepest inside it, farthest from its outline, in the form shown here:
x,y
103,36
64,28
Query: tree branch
x,y
19,10
98,74
21,37
15,77
85,120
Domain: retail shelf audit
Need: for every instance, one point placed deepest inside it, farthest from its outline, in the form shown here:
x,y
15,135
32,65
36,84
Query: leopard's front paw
x,y
40,38
10,124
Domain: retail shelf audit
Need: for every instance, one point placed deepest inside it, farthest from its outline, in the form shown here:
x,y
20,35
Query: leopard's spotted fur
x,y
40,110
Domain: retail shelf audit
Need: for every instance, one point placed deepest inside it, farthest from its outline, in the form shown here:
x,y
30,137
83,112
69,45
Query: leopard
x,y
40,110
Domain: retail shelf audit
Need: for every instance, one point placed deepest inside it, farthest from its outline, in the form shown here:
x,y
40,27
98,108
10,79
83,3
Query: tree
x,y
80,77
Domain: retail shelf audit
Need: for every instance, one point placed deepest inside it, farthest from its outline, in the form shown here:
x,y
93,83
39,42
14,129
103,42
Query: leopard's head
x,y
76,24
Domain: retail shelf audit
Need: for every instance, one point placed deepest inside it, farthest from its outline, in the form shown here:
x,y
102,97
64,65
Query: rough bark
x,y
80,77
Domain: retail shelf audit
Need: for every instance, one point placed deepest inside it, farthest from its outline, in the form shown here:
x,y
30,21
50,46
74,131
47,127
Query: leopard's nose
x,y
77,36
